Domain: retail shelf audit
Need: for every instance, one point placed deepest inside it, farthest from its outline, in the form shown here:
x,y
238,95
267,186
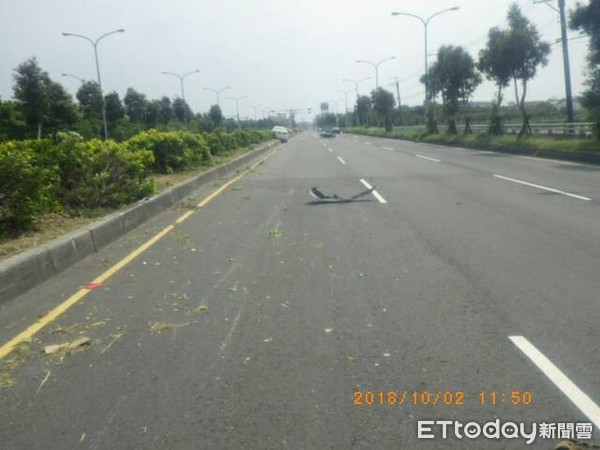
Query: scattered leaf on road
x,y
114,338
43,381
159,327
275,233
202,309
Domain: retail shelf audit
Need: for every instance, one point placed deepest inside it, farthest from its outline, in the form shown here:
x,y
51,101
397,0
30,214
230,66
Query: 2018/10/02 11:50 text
x,y
447,398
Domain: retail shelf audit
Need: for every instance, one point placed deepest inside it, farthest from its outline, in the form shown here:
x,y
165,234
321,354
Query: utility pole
x,y
565,51
566,64
397,83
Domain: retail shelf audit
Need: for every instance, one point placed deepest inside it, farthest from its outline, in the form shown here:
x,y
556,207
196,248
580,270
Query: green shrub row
x,y
173,151
43,175
222,143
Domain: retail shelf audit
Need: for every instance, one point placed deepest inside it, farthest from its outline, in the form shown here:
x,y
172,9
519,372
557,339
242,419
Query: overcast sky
x,y
279,53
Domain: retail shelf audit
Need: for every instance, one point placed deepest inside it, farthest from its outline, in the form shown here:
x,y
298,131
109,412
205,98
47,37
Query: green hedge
x,y
222,143
100,174
41,176
38,176
173,150
26,188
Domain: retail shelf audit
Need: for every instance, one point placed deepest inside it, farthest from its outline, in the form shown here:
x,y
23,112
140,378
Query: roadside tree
x,y
216,115
165,111
30,90
181,110
586,18
525,53
89,97
135,105
362,108
12,125
383,105
455,77
492,63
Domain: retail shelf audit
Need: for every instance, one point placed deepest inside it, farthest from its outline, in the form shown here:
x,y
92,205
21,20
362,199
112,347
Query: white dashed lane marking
x,y
376,194
428,158
545,188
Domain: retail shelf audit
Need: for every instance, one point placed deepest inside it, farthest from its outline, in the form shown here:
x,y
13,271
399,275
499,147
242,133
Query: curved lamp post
x,y
218,93
356,82
181,78
237,106
95,45
376,67
81,80
425,22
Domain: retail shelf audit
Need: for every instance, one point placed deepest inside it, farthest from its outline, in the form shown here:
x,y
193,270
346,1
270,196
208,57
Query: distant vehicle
x,y
281,133
327,134
336,130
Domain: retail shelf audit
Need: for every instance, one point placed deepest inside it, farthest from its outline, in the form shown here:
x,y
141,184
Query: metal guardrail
x,y
575,128
580,129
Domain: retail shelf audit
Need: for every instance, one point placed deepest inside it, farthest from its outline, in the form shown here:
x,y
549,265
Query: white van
x,y
281,133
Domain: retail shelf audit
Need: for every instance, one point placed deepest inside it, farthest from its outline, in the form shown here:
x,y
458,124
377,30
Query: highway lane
x,y
547,245
253,322
562,175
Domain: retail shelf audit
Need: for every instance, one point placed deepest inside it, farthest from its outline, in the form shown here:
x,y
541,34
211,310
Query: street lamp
x,y
356,82
345,96
237,107
81,80
346,99
425,25
181,77
95,45
376,67
218,93
254,107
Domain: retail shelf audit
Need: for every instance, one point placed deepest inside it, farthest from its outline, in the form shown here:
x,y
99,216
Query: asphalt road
x,y
266,321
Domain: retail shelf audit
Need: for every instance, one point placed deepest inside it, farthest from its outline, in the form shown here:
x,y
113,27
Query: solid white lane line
x,y
341,160
428,158
376,194
388,148
585,404
545,188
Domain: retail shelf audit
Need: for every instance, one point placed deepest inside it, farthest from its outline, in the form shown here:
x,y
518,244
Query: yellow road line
x,y
33,329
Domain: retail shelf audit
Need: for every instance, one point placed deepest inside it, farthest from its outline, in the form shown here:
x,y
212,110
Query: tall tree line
x,y
41,107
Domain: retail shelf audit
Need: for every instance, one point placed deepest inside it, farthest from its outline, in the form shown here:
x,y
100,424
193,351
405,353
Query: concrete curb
x,y
28,269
